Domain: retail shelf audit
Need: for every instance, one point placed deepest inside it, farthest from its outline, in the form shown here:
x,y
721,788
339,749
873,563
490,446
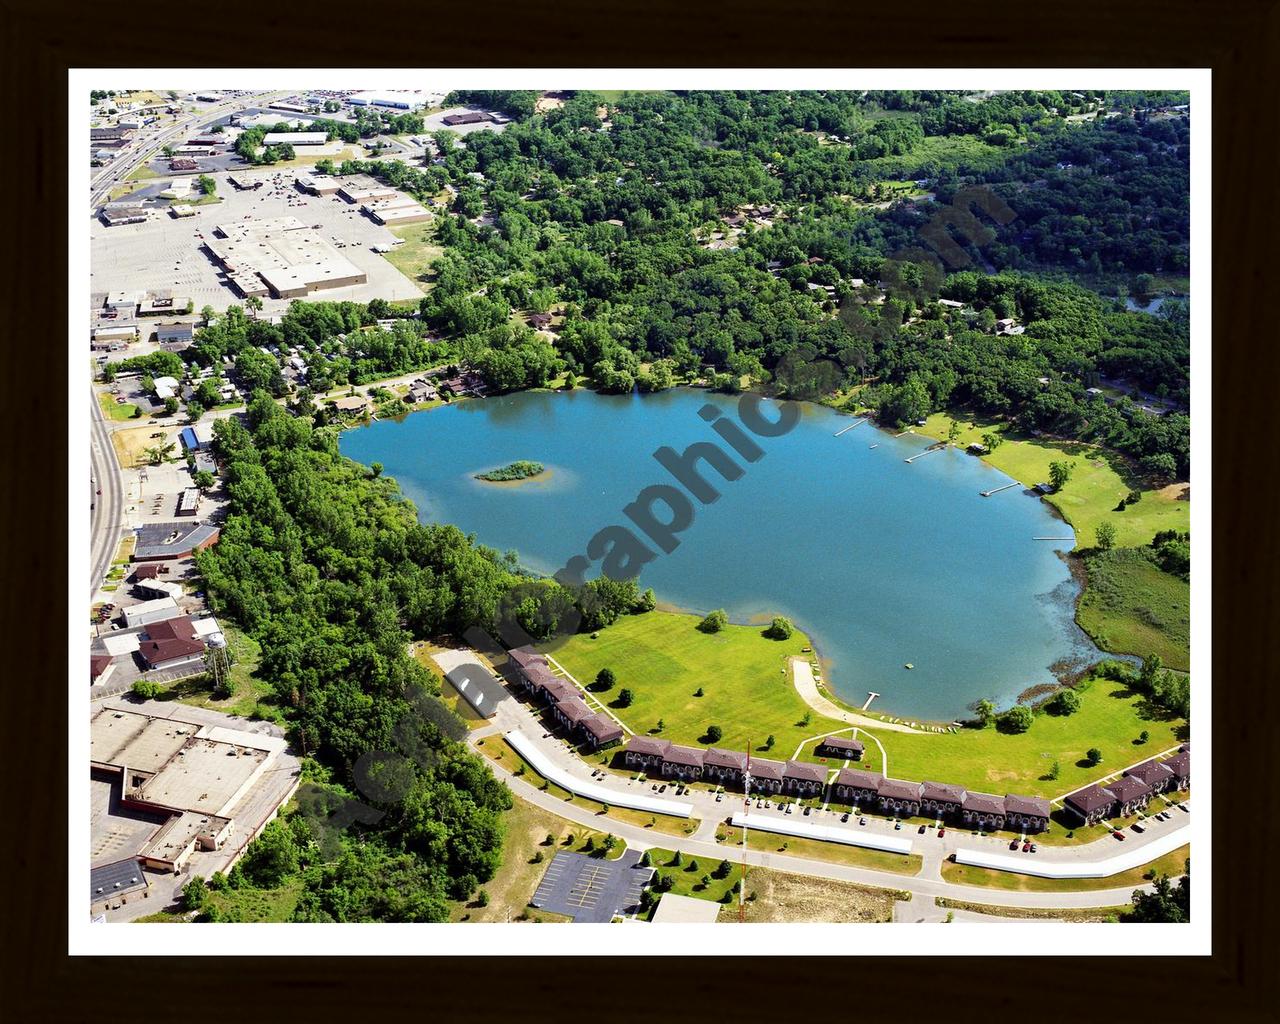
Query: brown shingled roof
x,y
805,770
942,791
1090,798
983,803
858,779
725,758
602,728
526,656
763,768
1151,772
1128,788
896,789
1032,805
646,746
683,755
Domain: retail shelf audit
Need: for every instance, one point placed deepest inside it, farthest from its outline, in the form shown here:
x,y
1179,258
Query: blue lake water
x,y
882,563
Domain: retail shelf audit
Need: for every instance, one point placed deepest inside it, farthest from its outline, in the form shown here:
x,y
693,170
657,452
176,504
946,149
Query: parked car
x,y
1026,847
719,797
845,816
1013,845
862,821
1033,847
1119,835
807,810
897,826
941,832
921,830
1137,828
789,808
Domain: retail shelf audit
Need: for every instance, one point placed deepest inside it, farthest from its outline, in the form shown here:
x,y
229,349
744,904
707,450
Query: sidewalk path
x,y
807,687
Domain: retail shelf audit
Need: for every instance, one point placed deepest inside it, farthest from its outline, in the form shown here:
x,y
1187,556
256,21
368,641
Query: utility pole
x,y
746,807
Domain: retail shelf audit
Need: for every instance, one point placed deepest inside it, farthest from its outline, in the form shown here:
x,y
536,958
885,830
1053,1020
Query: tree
x,y
194,410
1144,737
1067,702
254,303
145,689
768,744
986,711
1054,771
661,725
206,185
605,680
953,432
1017,719
170,406
1106,534
1167,904
779,629
723,870
677,860
714,622
699,692
1060,473
610,843
625,698
992,441
203,479
482,897
1093,756
375,469
195,897
1152,666
714,733
645,859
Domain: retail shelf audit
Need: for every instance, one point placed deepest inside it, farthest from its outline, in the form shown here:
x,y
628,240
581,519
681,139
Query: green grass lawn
x,y
687,876
1172,864
251,694
836,853
1132,606
414,257
114,410
664,659
1096,486
1110,718
253,905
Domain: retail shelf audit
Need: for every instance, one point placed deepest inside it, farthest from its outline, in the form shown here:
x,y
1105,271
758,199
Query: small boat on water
x,y
908,665
875,446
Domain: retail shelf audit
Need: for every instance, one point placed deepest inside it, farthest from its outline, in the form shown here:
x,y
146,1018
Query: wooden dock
x,y
905,432
850,427
1053,538
997,490
927,451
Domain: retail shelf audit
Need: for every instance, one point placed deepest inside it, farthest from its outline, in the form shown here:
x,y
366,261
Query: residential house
x,y
684,763
569,712
1027,814
1132,795
841,747
646,753
600,731
724,766
766,776
855,787
1155,774
1180,766
803,778
897,797
983,811
1089,805
100,667
941,799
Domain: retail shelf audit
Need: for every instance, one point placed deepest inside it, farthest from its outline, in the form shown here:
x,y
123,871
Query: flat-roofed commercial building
x,y
295,138
195,776
407,213
317,184
281,256
392,99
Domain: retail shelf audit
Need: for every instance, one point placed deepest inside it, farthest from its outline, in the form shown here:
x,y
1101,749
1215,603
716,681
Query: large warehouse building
x,y
295,138
281,257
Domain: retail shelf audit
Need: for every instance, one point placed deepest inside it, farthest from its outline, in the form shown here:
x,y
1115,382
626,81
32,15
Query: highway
x,y
146,143
107,517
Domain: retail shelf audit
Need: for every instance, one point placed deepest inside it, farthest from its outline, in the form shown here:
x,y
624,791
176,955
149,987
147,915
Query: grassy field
x,y
1132,606
114,410
251,695
512,887
1171,864
775,895
130,445
415,255
253,905
835,853
1090,497
664,659
1110,718
1085,914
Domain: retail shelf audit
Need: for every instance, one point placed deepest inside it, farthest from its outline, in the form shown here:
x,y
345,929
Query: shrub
x,y
1065,703
604,680
714,732
780,629
714,622
1017,719
1093,756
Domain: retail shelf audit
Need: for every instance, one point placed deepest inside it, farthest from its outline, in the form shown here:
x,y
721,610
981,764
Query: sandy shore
x,y
807,687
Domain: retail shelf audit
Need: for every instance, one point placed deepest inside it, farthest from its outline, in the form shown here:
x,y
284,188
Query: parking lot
x,y
591,889
166,252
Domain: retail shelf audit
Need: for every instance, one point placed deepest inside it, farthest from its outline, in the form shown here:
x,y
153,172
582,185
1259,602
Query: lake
x,y
881,562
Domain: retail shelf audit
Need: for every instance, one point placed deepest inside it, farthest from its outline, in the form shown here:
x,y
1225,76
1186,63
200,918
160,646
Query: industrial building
x,y
317,184
295,138
281,257
391,99
398,209
184,781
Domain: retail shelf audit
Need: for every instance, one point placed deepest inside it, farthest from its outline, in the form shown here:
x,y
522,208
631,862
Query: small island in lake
x,y
521,470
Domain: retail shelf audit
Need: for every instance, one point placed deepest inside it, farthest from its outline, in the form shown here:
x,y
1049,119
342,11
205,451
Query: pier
x,y
921,455
850,427
871,695
997,490
1053,538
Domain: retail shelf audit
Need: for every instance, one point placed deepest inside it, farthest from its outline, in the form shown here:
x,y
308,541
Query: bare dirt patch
x,y
794,898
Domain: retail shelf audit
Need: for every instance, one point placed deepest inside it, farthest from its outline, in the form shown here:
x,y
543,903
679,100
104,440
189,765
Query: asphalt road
x,y
144,146
108,507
